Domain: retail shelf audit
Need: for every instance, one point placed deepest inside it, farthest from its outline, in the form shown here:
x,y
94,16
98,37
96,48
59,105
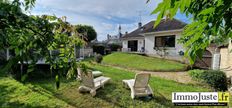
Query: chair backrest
x,y
142,80
87,79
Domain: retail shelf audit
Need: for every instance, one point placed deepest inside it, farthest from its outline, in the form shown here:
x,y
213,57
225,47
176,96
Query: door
x,y
205,61
133,45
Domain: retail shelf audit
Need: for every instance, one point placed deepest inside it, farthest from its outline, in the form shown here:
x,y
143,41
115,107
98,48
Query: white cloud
x,y
103,15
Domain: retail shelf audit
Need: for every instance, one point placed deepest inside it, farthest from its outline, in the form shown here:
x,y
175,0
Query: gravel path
x,y
181,77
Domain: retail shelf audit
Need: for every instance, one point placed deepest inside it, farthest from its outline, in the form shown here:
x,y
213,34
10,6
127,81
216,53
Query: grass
x,y
134,61
114,94
15,94
42,92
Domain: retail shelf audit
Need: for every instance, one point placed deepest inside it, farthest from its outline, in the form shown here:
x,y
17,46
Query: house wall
x,y
86,52
140,44
226,60
173,53
125,44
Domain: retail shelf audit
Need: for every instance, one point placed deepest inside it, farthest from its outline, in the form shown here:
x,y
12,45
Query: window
x,y
165,41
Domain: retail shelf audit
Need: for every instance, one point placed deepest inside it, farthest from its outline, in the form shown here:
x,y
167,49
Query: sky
x,y
104,15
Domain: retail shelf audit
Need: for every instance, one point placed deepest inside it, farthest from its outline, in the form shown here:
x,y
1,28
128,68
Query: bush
x,y
2,57
115,47
99,49
98,58
196,74
216,79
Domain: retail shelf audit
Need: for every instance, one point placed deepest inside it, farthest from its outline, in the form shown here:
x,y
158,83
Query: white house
x,y
160,41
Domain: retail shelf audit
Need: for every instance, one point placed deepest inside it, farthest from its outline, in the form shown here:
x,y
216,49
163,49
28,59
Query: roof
x,y
165,25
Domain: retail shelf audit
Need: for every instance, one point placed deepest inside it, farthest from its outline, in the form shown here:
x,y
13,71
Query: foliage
x,y
57,82
99,49
161,51
98,58
196,74
83,67
87,31
140,62
216,79
34,37
2,57
115,47
211,22
74,72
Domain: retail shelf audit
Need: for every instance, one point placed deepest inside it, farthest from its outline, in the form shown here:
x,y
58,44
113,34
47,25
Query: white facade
x,y
149,39
124,44
140,44
171,51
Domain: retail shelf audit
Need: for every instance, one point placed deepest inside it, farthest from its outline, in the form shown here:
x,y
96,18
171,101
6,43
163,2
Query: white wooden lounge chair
x,y
95,73
139,86
89,84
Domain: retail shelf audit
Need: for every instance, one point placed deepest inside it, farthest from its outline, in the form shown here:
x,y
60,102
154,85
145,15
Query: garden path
x,y
181,77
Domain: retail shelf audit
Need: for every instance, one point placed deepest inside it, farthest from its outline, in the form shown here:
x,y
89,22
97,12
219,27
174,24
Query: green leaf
x,y
207,11
24,77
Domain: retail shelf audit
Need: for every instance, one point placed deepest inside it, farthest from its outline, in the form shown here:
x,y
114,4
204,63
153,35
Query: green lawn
x,y
114,95
42,92
139,62
15,94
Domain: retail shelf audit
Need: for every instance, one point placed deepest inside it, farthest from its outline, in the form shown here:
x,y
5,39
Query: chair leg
x,y
132,96
124,85
93,92
83,89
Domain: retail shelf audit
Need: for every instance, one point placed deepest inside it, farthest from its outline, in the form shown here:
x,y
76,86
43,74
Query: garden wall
x,y
226,60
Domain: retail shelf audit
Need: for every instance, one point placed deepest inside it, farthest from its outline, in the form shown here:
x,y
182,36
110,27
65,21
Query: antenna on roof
x,y
140,15
140,18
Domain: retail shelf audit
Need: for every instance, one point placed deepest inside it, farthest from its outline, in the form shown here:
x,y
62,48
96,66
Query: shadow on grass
x,y
118,96
110,94
6,99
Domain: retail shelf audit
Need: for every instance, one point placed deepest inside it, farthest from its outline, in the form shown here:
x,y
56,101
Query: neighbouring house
x,y
114,42
115,39
160,41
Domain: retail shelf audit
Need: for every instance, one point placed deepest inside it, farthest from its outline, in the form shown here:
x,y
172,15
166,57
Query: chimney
x,y
139,25
120,35
126,33
108,36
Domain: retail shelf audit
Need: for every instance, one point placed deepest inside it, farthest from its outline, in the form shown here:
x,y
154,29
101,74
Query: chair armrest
x,y
99,81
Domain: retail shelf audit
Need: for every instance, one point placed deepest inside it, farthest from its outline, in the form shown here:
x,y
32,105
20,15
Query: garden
x,y
146,63
31,38
42,92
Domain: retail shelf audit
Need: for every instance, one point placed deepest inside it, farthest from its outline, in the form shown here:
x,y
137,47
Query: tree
x,y
87,31
34,37
211,22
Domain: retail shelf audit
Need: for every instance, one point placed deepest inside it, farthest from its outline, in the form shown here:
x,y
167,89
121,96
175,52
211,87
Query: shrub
x,y
196,74
98,58
115,47
2,57
216,79
99,49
